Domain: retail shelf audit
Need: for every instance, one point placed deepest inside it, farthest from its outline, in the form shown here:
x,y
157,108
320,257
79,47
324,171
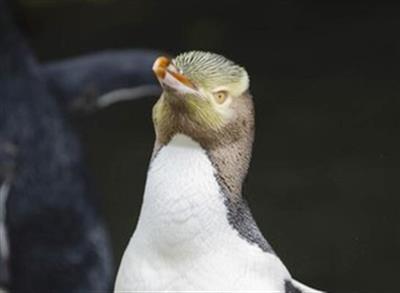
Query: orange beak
x,y
163,73
160,67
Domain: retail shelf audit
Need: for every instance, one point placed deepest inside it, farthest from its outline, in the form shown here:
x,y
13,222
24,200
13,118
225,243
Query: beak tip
x,y
160,66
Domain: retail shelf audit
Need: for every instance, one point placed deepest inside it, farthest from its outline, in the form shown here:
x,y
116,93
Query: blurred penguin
x,y
52,240
95,81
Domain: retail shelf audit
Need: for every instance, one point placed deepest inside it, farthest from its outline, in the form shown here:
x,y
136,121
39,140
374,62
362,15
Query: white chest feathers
x,y
183,240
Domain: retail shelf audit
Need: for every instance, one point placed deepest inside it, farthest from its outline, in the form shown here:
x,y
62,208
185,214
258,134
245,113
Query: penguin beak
x,y
170,78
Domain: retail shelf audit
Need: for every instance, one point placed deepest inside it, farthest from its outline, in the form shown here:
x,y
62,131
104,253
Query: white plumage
x,y
183,241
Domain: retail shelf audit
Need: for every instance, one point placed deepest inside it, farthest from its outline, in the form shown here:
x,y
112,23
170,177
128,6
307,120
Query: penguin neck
x,y
229,158
183,200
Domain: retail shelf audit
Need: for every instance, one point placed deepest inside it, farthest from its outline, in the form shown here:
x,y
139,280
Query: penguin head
x,y
205,96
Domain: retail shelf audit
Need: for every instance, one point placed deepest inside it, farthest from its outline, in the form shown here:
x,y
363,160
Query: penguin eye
x,y
220,96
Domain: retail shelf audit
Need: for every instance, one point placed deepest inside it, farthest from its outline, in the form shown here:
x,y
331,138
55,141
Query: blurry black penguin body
x,y
56,241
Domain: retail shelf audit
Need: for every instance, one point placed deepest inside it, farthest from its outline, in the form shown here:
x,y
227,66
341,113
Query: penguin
x,y
88,83
52,237
195,230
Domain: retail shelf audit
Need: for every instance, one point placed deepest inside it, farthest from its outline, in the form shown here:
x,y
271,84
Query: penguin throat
x,y
182,198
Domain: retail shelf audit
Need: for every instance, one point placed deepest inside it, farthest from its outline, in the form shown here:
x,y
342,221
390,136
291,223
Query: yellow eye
x,y
220,96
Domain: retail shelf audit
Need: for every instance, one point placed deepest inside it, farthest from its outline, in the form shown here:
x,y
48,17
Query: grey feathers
x,y
290,288
241,219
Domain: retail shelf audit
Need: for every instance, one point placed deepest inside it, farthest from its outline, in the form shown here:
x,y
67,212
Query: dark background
x,y
323,184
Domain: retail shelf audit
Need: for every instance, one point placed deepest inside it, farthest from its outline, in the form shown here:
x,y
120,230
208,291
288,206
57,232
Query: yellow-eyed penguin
x,y
195,231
